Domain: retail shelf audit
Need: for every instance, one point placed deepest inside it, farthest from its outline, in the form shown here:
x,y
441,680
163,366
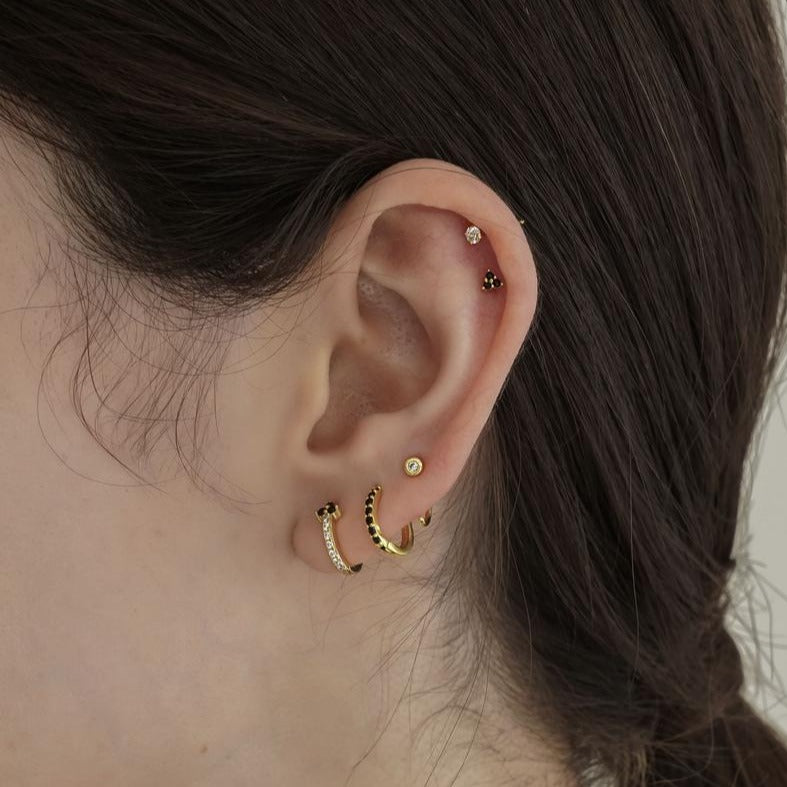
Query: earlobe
x,y
433,291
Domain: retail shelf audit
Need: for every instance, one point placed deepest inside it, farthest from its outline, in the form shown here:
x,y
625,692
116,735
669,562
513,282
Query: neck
x,y
358,682
206,653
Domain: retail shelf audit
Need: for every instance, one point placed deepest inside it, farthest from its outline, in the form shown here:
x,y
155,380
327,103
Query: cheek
x,y
131,638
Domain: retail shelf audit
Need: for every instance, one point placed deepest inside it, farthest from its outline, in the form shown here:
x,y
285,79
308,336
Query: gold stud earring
x,y
491,281
328,515
473,235
413,466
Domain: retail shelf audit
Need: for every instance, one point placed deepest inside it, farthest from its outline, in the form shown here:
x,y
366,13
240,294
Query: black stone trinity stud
x,y
491,282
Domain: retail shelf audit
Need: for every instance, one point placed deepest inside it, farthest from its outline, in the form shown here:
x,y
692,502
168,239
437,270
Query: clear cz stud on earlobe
x,y
413,466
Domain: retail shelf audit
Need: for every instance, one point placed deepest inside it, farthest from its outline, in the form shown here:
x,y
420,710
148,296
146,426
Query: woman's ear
x,y
411,332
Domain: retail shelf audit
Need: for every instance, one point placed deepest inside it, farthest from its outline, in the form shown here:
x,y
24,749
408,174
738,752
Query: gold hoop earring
x,y
327,515
372,525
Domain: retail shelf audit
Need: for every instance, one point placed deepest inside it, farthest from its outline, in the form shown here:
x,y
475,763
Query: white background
x,y
760,612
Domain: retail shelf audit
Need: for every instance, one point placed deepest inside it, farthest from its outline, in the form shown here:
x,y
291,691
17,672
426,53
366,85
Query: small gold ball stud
x,y
413,466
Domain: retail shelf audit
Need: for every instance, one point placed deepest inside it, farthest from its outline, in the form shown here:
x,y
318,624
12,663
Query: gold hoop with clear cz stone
x,y
327,515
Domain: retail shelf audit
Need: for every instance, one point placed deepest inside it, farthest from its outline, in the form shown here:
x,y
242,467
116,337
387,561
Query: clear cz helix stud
x,y
473,235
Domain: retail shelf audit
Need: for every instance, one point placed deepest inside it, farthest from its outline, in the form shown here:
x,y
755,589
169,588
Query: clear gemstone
x,y
473,235
414,466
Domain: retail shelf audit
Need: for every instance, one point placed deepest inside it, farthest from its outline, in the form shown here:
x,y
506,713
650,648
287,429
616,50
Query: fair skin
x,y
189,628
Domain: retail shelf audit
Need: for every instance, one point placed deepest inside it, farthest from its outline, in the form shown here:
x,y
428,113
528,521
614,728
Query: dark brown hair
x,y
205,146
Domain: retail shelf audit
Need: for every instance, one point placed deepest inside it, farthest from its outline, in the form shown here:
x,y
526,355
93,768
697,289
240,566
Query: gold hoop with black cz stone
x,y
373,526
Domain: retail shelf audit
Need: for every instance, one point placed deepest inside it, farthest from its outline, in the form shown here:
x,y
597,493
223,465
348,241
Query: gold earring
x,y
491,282
327,515
370,517
413,466
473,235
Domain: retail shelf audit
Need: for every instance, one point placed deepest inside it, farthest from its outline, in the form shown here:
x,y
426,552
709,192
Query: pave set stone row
x,y
368,510
326,513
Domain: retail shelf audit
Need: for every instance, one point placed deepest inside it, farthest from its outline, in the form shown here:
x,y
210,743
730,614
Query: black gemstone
x,y
321,511
371,529
369,520
376,539
331,508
